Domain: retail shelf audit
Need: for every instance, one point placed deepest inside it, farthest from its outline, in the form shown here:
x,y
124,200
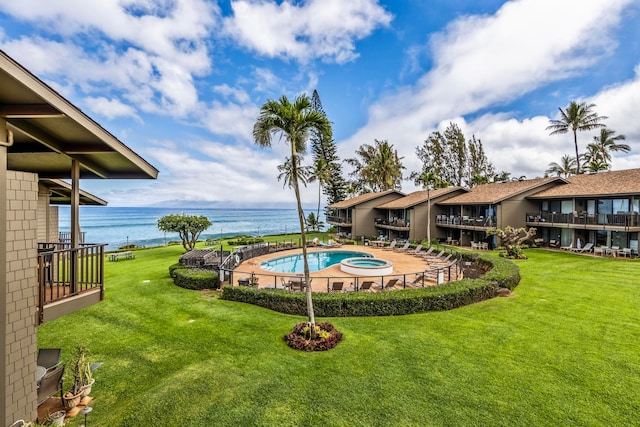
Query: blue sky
x,y
181,81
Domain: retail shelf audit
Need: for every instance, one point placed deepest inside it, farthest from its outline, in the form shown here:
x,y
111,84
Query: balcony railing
x,y
332,219
64,272
463,220
396,224
627,219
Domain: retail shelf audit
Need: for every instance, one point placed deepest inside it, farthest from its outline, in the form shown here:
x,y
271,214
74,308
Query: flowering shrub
x,y
325,337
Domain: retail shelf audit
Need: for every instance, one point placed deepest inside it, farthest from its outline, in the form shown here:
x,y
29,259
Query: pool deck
x,y
403,263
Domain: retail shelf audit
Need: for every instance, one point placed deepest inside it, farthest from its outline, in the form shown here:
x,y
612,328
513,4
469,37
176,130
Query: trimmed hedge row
x,y
503,274
174,267
195,278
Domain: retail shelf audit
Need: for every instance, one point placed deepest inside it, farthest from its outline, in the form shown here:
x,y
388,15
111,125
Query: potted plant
x,y
82,378
56,418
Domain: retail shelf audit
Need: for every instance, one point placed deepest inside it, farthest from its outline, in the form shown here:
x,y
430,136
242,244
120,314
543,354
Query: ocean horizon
x,y
119,226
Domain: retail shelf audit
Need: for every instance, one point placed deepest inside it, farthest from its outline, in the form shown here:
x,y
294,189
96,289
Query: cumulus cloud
x,y
325,29
111,108
147,52
486,61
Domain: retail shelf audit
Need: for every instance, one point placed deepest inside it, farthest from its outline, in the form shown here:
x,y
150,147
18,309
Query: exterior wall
x,y
513,212
21,302
364,216
418,230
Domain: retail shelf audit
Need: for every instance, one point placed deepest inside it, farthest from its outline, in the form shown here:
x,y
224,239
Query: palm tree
x,y
286,172
430,180
576,117
378,167
321,172
294,122
606,143
565,168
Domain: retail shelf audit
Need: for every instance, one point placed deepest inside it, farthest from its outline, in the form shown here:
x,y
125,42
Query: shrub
x,y
174,267
502,274
195,278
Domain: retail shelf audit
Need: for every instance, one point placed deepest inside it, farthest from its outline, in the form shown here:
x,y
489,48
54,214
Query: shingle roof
x,y
362,198
496,192
622,182
418,197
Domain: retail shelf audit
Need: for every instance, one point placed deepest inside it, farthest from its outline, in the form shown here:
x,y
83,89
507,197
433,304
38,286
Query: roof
x,y
418,197
49,132
362,198
60,193
619,183
498,191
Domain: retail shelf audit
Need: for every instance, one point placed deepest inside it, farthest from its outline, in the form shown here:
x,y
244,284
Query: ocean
x,y
119,226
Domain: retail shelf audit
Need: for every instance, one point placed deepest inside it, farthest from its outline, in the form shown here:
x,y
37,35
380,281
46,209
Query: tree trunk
x,y
575,141
428,218
303,238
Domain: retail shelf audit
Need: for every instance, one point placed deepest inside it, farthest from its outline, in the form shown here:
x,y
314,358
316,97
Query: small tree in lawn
x,y
512,240
188,227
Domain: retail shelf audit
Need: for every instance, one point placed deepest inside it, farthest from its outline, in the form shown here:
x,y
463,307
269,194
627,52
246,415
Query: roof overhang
x,y
60,194
49,133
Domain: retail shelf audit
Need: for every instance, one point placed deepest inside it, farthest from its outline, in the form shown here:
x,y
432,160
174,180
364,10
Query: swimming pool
x,y
317,261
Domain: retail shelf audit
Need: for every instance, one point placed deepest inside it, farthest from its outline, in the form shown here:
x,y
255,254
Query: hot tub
x,y
367,266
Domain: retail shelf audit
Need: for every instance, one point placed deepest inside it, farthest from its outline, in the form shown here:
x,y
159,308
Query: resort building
x,y
468,216
407,217
355,218
599,208
43,139
602,208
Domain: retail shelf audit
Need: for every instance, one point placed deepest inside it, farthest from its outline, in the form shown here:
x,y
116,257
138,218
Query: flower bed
x,y
325,337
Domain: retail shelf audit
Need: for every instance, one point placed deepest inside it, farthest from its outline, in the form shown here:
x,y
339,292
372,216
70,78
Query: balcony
x,y
339,221
69,278
466,222
623,220
396,224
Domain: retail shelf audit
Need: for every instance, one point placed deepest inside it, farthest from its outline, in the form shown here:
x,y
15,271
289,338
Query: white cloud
x,y
111,108
485,61
325,29
147,52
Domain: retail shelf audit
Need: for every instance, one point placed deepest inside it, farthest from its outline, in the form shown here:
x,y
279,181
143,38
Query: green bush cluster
x,y
503,274
196,278
174,267
245,240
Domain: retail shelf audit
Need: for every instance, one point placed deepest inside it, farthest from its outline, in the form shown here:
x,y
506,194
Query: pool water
x,y
317,261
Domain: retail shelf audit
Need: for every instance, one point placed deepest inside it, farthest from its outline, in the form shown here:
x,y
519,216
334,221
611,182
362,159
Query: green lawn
x,y
563,350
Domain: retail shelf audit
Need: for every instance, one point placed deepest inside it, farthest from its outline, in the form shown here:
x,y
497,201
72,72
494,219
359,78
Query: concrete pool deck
x,y
403,264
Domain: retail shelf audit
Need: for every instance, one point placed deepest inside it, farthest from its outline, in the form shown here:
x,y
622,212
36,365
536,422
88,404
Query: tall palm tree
x,y
321,172
576,117
606,143
429,181
294,122
565,168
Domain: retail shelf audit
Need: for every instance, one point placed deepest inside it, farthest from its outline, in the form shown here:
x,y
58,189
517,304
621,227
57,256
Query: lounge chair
x,y
428,257
404,248
625,252
337,286
389,285
440,261
390,247
586,248
567,248
416,250
364,286
423,254
334,244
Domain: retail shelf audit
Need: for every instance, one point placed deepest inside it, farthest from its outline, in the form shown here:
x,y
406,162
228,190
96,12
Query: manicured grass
x,y
561,351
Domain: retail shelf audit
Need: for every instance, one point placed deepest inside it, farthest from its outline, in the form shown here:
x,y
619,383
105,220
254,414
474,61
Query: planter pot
x,y
86,389
71,401
57,418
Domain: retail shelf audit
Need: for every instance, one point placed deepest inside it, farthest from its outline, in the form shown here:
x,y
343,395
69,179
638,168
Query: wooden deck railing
x,y
64,271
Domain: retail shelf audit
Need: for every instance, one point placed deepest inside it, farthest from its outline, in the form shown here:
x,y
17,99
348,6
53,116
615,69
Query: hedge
x,y
503,274
195,278
176,266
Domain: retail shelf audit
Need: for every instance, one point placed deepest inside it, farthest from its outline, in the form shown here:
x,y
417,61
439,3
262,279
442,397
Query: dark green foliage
x,y
503,274
175,267
245,240
188,227
195,278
